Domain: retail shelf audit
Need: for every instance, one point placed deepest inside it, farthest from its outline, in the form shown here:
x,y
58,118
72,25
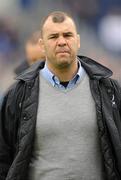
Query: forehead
x,y
66,26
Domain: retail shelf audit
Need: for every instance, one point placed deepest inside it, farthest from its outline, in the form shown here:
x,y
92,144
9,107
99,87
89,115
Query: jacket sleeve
x,y
7,133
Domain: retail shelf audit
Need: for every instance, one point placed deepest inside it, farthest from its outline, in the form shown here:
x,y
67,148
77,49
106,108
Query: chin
x,y
64,63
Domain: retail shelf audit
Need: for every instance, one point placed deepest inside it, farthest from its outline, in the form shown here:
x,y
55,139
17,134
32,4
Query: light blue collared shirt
x,y
52,79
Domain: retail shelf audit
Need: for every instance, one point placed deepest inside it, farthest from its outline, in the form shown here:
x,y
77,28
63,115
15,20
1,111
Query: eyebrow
x,y
56,34
68,33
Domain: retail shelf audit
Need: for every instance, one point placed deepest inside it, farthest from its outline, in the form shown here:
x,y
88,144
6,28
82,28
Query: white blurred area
x,y
7,6
110,32
94,31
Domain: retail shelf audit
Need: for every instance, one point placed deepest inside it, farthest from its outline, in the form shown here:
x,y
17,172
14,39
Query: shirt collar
x,y
49,76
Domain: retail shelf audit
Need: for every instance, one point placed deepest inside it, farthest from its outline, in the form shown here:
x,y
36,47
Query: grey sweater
x,y
66,146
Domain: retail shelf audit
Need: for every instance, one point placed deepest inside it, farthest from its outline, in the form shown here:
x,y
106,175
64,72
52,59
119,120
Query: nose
x,y
61,41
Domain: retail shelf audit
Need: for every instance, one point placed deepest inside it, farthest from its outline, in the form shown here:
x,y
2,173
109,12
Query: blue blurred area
x,y
26,4
99,26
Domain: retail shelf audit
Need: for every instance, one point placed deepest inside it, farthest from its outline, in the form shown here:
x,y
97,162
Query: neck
x,y
66,73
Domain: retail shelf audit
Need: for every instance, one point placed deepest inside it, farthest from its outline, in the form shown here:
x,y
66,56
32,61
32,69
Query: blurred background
x,y
98,21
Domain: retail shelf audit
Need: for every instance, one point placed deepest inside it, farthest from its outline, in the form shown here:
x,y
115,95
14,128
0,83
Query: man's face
x,y
61,43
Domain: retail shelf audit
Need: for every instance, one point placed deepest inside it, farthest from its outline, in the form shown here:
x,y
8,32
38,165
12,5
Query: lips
x,y
62,51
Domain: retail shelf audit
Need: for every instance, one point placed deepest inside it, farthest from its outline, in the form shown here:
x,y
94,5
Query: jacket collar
x,y
31,72
93,69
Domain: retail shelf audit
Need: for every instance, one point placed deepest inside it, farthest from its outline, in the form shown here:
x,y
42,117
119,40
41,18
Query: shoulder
x,y
11,95
113,88
112,83
116,86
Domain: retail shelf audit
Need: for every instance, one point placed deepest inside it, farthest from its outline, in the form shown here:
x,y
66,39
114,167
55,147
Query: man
x,y
61,120
33,52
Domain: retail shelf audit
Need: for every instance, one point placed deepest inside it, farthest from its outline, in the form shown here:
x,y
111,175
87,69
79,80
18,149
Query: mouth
x,y
62,52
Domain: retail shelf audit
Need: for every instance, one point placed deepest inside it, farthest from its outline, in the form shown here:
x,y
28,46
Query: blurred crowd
x,y
99,23
9,41
9,50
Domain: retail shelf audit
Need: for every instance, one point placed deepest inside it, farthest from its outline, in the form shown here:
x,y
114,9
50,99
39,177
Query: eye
x,y
53,37
68,35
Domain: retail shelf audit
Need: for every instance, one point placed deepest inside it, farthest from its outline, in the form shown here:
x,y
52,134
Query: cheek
x,y
74,46
49,48
46,49
49,51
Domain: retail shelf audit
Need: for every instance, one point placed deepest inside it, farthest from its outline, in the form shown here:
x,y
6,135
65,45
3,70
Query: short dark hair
x,y
57,17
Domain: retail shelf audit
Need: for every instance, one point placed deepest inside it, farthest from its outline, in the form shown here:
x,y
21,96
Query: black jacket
x,y
18,120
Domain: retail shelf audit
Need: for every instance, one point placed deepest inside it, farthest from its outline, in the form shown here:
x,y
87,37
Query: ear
x,y
78,40
41,44
40,41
